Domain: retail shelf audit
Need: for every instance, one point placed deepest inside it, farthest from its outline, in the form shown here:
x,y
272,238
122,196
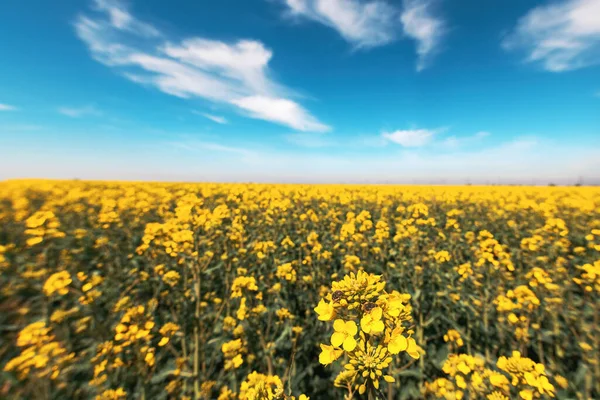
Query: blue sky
x,y
413,91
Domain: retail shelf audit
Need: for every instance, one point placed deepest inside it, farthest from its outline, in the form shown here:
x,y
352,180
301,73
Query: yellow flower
x,y
442,256
561,381
498,380
453,336
526,394
33,241
344,334
171,278
112,394
399,342
329,354
371,322
57,283
585,346
325,310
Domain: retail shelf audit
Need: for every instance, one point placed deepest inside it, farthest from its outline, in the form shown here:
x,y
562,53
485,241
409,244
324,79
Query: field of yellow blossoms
x,y
147,291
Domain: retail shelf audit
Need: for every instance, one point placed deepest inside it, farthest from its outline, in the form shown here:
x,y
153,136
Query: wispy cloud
x,y
235,73
7,107
420,24
78,112
459,141
215,118
375,23
283,111
123,20
560,36
411,137
362,23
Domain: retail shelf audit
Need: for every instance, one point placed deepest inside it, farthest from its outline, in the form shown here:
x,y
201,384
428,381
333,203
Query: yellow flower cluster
x,y
261,387
42,225
383,332
3,261
524,371
519,303
539,277
243,282
134,326
287,272
232,352
112,394
453,336
167,331
590,277
469,378
41,355
58,283
171,278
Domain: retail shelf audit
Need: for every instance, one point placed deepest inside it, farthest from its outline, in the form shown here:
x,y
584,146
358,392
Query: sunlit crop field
x,y
228,291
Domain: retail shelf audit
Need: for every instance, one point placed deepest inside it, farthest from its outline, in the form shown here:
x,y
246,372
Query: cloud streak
x,y
455,141
427,30
215,118
411,137
78,112
561,36
7,107
236,74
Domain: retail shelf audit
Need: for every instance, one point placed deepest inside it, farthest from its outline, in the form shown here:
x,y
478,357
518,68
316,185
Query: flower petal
x,y
349,343
338,338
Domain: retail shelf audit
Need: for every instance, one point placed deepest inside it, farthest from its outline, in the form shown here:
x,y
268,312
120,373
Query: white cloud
x,y
7,107
214,118
410,137
121,19
427,30
370,23
245,61
363,23
561,36
236,73
77,112
282,111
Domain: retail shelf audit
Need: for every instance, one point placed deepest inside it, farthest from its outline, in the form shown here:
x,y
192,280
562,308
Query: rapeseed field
x,y
125,290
